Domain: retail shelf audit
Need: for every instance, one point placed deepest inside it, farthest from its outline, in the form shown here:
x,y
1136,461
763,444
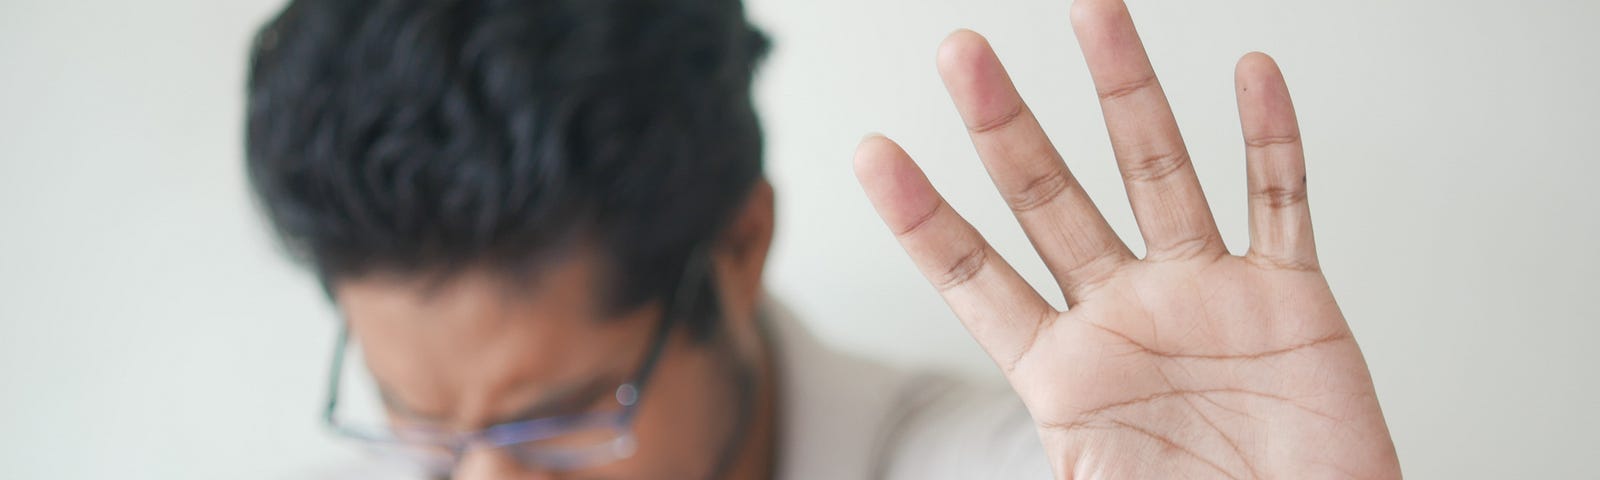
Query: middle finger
x,y
1165,194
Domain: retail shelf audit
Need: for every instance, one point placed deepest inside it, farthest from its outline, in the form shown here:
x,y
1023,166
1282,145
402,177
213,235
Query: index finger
x,y
1064,225
1001,310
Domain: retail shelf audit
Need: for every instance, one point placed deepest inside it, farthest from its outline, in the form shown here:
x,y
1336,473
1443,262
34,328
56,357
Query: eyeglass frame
x,y
627,395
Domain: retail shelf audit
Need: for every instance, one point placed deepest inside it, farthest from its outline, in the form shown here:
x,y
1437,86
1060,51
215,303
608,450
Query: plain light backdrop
x,y
150,329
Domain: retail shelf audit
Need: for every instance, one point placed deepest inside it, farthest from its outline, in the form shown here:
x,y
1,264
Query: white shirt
x,y
845,417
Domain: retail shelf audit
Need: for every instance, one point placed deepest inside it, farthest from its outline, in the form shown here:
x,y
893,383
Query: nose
x,y
492,464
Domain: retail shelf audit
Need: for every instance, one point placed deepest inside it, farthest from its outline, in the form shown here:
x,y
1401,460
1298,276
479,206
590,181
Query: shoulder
x,y
951,428
846,416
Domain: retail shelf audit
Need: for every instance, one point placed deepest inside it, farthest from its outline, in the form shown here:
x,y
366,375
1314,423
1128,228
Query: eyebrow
x,y
562,400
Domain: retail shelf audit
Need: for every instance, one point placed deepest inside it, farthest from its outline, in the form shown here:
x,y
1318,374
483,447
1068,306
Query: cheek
x,y
686,416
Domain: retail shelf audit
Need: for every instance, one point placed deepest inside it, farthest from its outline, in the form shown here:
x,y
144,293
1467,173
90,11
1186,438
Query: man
x,y
544,223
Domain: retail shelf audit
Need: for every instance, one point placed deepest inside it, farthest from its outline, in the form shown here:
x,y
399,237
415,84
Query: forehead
x,y
477,343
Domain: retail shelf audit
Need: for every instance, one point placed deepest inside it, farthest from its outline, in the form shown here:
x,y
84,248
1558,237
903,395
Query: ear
x,y
740,254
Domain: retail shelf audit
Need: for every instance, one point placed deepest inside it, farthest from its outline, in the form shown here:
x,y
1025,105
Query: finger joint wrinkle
x,y
921,220
1129,88
1282,263
963,269
1002,121
1155,167
1041,190
1270,140
1096,270
1278,197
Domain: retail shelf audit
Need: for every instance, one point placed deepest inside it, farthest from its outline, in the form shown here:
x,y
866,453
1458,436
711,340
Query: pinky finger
x,y
1280,218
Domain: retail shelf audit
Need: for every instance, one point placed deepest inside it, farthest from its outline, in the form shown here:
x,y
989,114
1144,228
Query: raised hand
x,y
1190,362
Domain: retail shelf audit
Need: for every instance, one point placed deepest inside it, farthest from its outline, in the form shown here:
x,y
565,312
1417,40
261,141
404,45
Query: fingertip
x,y
1257,76
870,136
1089,13
873,156
1255,56
963,33
963,49
1256,65
893,182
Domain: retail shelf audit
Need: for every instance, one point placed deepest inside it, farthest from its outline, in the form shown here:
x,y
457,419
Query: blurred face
x,y
476,350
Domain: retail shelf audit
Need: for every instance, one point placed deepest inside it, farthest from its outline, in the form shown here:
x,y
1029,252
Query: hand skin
x,y
1188,363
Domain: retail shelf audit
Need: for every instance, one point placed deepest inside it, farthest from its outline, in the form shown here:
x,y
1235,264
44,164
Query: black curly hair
x,y
428,136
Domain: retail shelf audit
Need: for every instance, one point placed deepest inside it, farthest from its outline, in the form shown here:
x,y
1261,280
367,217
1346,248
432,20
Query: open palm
x,y
1190,362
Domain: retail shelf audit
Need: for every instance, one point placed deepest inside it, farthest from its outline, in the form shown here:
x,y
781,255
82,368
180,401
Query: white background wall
x,y
148,328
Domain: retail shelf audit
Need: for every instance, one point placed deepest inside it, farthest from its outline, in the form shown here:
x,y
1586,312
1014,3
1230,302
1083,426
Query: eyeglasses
x,y
561,443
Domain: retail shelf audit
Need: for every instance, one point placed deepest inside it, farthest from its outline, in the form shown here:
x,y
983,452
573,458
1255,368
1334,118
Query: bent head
x,y
513,204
